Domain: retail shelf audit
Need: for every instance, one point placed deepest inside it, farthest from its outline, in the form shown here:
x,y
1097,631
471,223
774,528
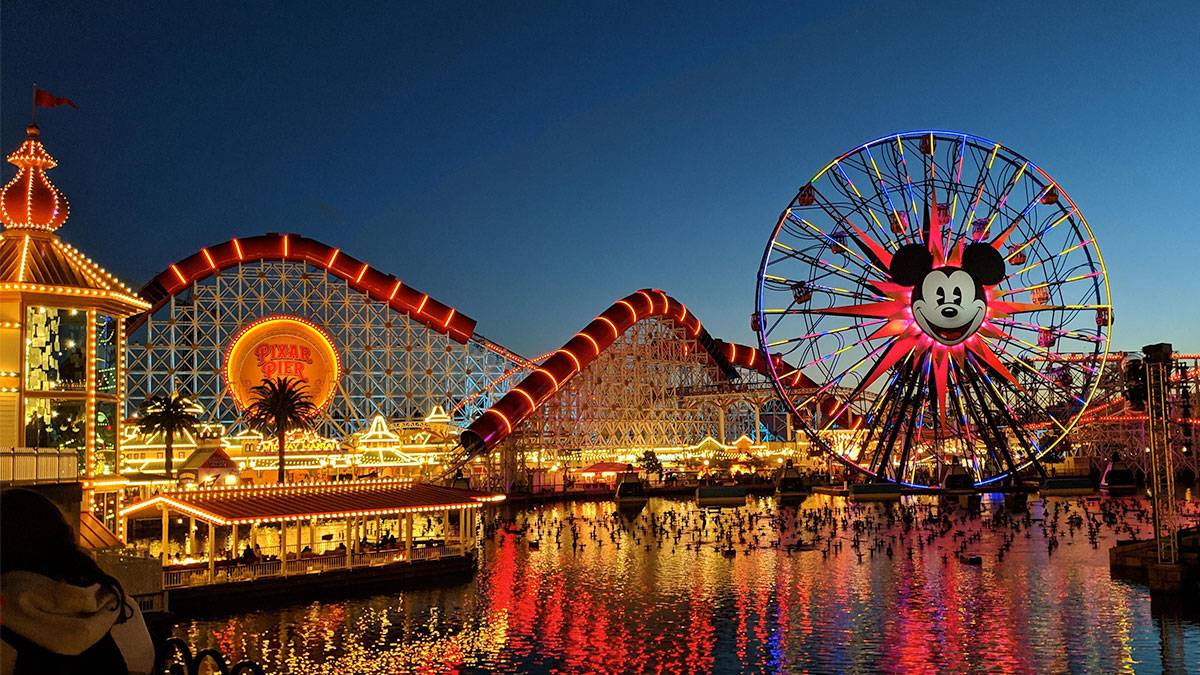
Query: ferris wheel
x,y
933,299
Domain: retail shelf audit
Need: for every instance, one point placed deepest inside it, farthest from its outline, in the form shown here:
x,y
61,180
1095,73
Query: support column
x,y
408,533
166,540
721,425
312,535
757,419
191,540
253,535
283,547
462,530
233,546
349,546
212,554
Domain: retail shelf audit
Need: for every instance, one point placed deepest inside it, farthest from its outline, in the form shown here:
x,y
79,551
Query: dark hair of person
x,y
36,537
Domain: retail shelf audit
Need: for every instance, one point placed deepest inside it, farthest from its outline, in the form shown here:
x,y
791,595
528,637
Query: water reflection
x,y
656,591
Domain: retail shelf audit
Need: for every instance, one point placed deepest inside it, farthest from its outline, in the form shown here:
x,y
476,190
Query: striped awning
x,y
273,503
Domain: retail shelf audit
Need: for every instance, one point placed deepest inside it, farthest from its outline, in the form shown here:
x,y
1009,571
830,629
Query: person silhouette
x,y
62,613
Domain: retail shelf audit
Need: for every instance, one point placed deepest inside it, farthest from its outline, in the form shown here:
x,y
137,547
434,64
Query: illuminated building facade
x,y
62,383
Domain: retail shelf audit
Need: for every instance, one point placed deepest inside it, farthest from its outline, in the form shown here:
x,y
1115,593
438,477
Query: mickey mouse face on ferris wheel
x,y
948,302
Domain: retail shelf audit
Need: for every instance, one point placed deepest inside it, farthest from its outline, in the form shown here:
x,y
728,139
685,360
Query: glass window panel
x,y
106,354
55,349
57,423
106,438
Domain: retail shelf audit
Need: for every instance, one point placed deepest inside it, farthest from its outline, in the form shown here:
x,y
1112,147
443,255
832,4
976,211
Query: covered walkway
x,y
278,530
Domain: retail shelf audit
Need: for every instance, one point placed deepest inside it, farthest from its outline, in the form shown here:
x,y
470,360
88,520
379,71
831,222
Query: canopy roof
x,y
248,504
32,257
609,467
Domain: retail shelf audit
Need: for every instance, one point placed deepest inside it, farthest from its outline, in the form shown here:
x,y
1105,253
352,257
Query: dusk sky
x,y
530,164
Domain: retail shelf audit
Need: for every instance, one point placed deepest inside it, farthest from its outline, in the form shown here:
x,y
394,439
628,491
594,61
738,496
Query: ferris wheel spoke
x,y
795,255
980,185
1040,329
989,424
881,189
904,415
1018,430
873,222
956,395
820,334
1041,233
866,264
882,197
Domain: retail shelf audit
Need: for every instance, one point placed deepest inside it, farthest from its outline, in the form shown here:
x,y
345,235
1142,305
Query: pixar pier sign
x,y
282,347
285,359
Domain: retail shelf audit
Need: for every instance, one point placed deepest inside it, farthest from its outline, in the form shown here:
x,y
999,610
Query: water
x,y
676,606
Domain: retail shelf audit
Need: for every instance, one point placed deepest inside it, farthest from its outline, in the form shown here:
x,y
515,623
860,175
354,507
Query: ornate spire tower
x,y
61,338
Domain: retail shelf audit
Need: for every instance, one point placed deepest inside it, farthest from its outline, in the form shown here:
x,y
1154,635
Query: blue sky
x,y
531,164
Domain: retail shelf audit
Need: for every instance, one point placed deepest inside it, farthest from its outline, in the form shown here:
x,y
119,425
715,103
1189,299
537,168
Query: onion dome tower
x,y
61,339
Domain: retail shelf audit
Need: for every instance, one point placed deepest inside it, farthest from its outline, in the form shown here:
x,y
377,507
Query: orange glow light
x,y
592,340
446,323
237,247
573,359
332,256
532,404
209,258
421,306
361,272
178,274
507,424
613,326
631,309
395,290
649,298
545,372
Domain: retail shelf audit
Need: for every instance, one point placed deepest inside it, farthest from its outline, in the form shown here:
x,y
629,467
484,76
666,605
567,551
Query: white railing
x,y
314,565
24,466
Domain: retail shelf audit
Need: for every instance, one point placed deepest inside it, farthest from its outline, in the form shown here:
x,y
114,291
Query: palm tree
x,y
278,406
169,414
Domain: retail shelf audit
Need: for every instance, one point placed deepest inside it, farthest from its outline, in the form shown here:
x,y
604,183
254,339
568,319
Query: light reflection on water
x,y
672,606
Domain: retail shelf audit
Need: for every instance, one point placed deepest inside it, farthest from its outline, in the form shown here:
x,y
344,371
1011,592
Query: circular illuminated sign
x,y
282,347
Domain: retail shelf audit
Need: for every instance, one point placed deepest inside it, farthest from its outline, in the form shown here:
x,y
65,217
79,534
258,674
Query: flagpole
x,y
33,105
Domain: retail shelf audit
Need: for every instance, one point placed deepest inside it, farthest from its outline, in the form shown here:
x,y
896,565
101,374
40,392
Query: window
x,y
106,354
57,423
55,349
105,452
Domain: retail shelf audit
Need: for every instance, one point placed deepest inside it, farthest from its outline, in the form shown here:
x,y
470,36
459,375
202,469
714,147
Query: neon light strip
x,y
592,340
532,404
611,325
631,309
572,357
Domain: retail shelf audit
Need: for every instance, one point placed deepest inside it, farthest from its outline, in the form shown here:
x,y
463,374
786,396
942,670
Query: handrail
x,y
192,664
238,571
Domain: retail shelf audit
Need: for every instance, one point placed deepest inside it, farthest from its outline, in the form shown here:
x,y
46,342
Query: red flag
x,y
44,99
